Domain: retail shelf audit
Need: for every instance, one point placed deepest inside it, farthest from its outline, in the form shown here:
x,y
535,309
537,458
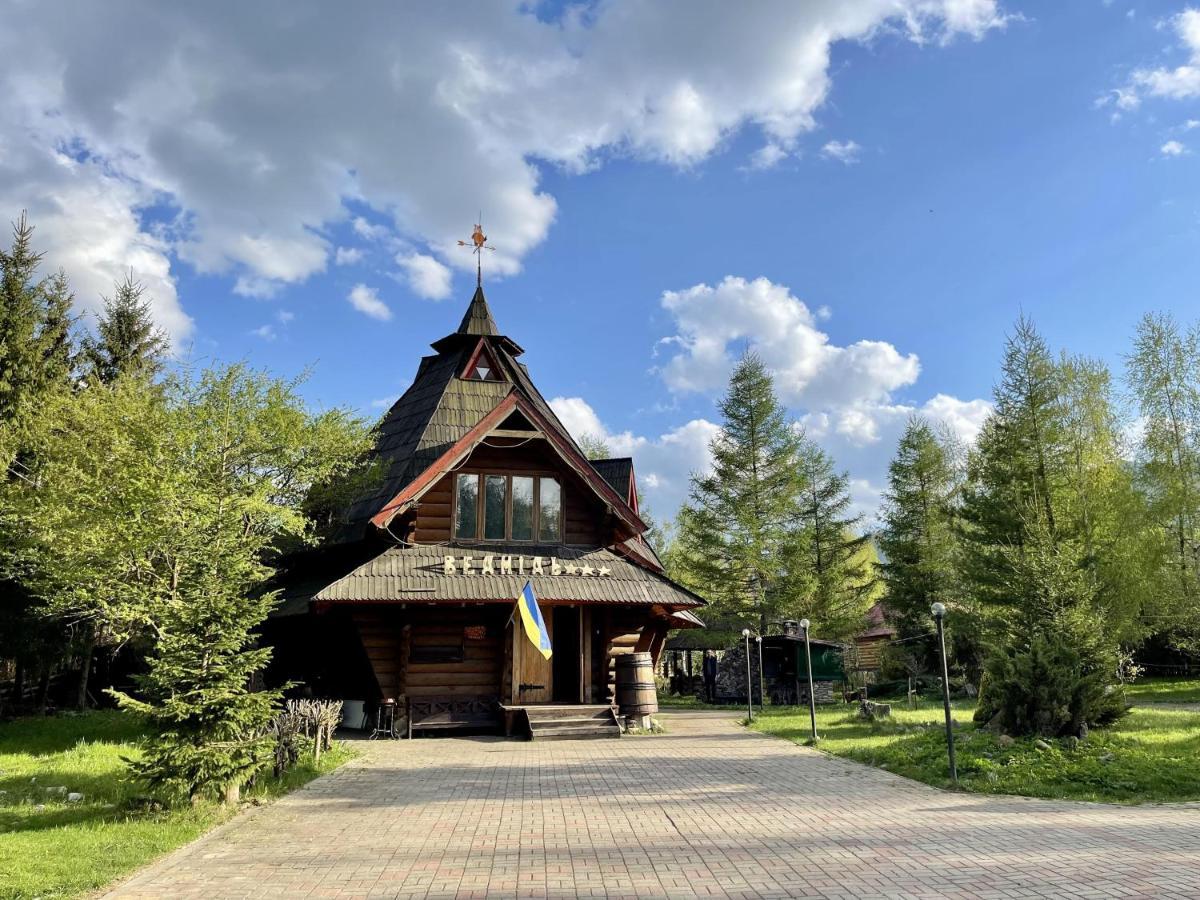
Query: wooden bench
x,y
452,713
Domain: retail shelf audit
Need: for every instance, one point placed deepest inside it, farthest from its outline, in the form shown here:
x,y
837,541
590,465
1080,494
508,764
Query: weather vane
x,y
478,244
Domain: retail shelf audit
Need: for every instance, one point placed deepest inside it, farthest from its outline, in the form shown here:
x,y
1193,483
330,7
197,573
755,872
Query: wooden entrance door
x,y
533,674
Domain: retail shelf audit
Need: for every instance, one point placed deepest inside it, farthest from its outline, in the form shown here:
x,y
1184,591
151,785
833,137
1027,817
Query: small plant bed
x,y
1163,690
71,821
1148,756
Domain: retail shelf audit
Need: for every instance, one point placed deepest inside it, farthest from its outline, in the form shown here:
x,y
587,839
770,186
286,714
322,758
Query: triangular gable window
x,y
482,365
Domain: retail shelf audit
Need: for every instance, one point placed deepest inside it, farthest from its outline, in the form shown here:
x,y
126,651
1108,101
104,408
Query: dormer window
x,y
522,508
482,366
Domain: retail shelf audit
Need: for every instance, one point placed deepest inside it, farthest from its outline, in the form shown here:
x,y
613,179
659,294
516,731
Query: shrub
x,y
1059,682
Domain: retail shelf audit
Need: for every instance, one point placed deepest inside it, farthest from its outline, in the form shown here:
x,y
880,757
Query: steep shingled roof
x,y
617,472
440,408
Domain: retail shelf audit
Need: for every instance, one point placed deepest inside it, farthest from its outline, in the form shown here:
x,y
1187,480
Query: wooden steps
x,y
573,722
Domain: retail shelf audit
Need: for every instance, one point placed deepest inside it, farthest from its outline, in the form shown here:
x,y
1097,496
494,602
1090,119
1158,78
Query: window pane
x,y
522,509
466,508
493,508
549,510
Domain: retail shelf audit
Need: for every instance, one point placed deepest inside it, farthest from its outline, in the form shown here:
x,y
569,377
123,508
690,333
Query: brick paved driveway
x,y
707,810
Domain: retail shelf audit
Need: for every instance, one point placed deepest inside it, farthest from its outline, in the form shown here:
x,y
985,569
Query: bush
x,y
1052,687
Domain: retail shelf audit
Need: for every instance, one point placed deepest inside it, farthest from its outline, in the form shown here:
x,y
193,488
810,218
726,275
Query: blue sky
x,y
869,199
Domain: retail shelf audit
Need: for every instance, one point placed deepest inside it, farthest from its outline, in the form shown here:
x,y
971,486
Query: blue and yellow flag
x,y
531,616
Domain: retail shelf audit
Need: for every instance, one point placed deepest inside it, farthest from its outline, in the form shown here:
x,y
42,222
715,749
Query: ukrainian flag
x,y
531,616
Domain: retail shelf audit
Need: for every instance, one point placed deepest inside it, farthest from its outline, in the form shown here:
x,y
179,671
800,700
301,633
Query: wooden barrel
x,y
636,695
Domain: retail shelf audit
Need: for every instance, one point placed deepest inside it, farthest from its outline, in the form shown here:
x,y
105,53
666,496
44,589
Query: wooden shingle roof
x,y
417,574
617,472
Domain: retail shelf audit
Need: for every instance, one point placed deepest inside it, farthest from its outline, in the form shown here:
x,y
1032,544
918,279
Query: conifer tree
x,y
1164,375
917,538
1016,471
738,534
127,340
841,574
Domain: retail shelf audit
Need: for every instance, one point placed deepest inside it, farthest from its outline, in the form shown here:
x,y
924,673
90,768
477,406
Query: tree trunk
x,y
44,688
85,669
18,696
233,793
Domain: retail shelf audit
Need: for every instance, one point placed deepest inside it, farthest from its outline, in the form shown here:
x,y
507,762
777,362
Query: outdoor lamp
x,y
762,684
749,690
939,614
812,699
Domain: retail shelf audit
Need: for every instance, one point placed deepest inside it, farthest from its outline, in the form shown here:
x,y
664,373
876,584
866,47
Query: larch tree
x,y
917,539
841,577
738,535
1164,377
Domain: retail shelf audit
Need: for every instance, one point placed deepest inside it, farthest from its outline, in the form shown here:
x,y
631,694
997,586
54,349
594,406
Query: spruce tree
x,y
21,321
917,538
127,340
842,579
738,534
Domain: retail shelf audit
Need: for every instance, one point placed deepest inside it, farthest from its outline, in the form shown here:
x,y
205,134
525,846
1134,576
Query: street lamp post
x,y
762,691
939,614
749,691
812,700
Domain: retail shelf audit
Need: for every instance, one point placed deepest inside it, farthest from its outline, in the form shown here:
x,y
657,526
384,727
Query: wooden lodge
x,y
412,605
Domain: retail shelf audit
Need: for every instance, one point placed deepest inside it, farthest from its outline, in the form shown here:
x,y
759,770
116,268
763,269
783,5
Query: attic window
x,y
481,366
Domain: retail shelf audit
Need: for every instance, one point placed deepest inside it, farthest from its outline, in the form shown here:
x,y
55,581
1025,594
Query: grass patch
x,y
51,848
1163,690
1149,756
675,702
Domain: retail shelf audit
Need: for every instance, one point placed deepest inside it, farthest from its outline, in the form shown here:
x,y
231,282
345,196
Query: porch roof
x,y
419,575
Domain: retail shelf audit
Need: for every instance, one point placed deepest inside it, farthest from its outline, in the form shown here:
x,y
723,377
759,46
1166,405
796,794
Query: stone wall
x,y
731,682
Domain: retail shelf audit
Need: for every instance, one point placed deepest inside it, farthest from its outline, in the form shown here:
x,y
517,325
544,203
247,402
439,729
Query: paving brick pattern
x,y
705,811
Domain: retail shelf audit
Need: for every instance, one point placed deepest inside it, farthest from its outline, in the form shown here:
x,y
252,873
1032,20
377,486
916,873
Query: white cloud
x,y
1178,82
846,152
285,316
366,301
348,256
425,275
664,464
250,134
1173,148
266,332
809,370
1190,124
767,156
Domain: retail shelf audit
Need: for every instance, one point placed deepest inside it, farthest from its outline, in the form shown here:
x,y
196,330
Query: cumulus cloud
x,y
366,301
1172,148
425,275
846,152
663,464
1179,82
237,136
714,321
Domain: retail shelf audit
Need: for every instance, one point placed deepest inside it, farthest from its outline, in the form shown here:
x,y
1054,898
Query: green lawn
x,y
1163,690
1148,756
50,847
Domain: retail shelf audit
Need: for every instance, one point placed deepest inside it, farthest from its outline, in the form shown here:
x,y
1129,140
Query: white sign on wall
x,y
516,564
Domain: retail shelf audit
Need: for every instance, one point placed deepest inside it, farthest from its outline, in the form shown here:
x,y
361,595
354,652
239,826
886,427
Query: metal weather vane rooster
x,y
478,244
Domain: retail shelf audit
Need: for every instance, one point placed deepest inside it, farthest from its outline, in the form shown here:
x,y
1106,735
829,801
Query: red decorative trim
x,y
465,444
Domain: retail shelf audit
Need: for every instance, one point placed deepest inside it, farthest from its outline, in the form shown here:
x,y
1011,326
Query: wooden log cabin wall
x,y
484,492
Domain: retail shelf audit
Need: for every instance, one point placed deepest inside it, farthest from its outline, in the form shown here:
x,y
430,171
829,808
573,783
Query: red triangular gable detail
x,y
482,365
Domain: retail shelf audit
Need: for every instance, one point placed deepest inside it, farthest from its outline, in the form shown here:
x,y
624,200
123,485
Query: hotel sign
x,y
515,564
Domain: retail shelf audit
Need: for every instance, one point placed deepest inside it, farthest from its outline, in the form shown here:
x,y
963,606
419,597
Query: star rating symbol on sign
x,y
604,570
586,570
570,568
